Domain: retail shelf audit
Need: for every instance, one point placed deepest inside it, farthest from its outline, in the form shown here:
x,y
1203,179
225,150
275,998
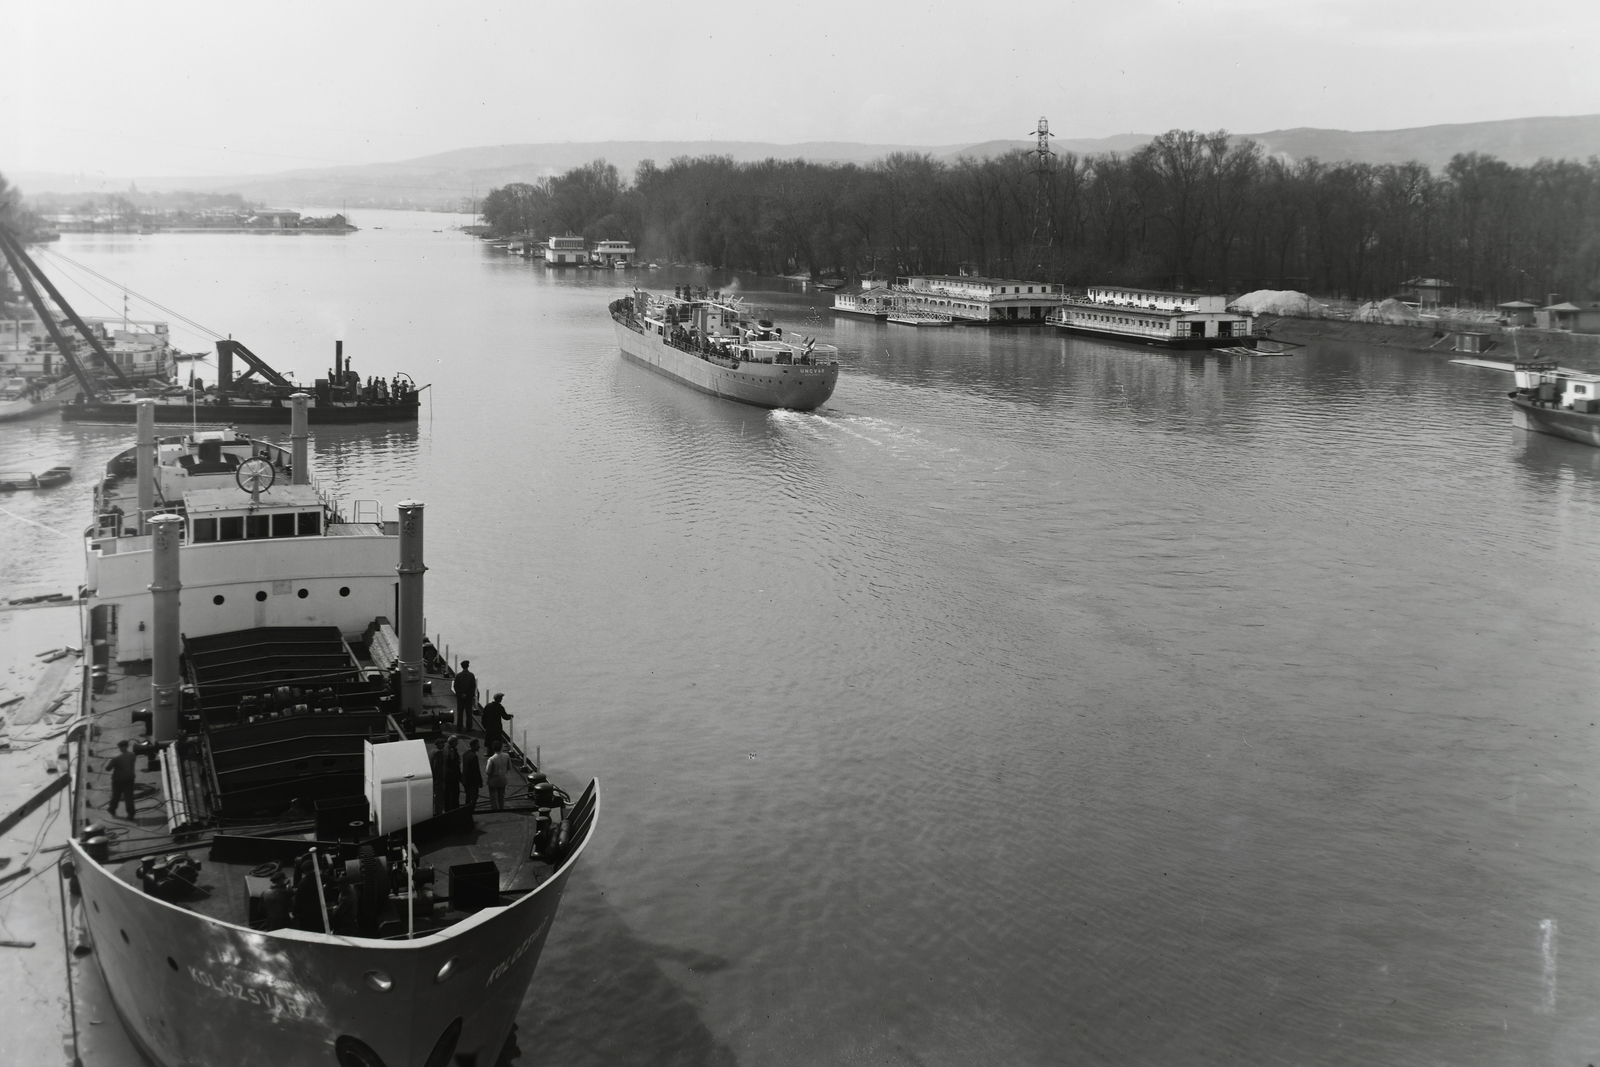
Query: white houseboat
x,y
616,254
567,251
870,301
141,347
974,300
1155,317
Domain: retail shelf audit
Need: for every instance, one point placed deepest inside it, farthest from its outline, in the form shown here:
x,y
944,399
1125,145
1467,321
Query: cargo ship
x,y
284,881
710,344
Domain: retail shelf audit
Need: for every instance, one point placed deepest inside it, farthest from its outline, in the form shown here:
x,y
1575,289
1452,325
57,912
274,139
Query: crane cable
x,y
123,288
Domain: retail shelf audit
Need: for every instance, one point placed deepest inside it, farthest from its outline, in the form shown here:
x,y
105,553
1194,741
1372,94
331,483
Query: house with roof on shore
x,y
1569,317
1516,312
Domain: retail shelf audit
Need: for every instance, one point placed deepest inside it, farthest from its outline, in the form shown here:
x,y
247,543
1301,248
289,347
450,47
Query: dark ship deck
x,y
270,770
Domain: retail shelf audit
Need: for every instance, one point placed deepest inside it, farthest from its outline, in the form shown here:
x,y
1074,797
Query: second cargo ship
x,y
707,342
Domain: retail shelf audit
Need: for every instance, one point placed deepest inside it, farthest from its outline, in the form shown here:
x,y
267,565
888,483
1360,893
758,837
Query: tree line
x,y
1188,210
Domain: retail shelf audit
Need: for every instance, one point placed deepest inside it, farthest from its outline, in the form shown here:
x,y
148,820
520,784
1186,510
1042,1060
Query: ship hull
x,y
1558,422
192,990
769,385
1175,343
241,414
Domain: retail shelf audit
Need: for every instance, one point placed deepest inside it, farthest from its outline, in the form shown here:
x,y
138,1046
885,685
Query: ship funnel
x,y
224,366
297,436
411,569
144,450
165,643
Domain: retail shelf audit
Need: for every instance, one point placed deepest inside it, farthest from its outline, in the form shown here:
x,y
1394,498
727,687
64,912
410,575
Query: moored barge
x,y
1154,317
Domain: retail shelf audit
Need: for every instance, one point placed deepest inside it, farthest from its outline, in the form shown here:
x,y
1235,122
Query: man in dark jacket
x,y
436,765
452,775
122,767
472,773
465,687
494,713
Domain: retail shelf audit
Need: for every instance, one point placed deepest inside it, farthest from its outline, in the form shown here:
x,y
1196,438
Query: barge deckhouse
x,y
291,886
1155,317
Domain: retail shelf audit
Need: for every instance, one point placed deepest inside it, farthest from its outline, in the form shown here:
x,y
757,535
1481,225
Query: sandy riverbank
x,y
46,696
1581,351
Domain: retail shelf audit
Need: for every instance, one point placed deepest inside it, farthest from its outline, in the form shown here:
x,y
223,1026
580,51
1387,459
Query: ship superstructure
x,y
711,343
292,888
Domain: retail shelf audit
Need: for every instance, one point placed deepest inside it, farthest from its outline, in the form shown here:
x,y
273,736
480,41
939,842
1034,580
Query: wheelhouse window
x,y
230,528
205,530
310,523
283,524
257,526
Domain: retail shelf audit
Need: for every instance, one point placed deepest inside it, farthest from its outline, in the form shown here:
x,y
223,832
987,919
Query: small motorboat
x,y
12,481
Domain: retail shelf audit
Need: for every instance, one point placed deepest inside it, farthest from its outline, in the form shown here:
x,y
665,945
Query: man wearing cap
x,y
277,902
466,690
494,713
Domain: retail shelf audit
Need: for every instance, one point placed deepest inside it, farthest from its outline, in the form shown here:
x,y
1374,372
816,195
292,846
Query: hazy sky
x,y
127,88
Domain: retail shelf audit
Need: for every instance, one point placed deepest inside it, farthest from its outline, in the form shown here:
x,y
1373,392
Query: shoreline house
x,y
1432,292
1569,317
1516,313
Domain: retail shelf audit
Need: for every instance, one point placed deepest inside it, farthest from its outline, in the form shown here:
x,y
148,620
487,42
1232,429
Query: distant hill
x,y
1519,141
447,178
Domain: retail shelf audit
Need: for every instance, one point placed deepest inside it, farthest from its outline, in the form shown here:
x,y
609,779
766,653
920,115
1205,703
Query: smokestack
x,y
338,361
165,642
144,451
411,570
224,366
297,436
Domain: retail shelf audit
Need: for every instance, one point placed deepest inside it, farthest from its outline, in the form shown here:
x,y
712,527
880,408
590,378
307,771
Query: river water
x,y
1035,701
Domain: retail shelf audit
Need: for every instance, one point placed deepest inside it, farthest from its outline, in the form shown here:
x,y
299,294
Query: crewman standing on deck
x,y
472,773
122,767
122,770
494,713
436,765
452,776
466,690
495,776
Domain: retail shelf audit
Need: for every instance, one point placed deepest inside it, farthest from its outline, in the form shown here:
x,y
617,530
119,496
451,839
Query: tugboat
x,y
1556,400
708,343
291,885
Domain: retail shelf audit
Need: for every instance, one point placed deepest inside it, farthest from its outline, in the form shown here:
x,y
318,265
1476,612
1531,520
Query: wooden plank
x,y
33,803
